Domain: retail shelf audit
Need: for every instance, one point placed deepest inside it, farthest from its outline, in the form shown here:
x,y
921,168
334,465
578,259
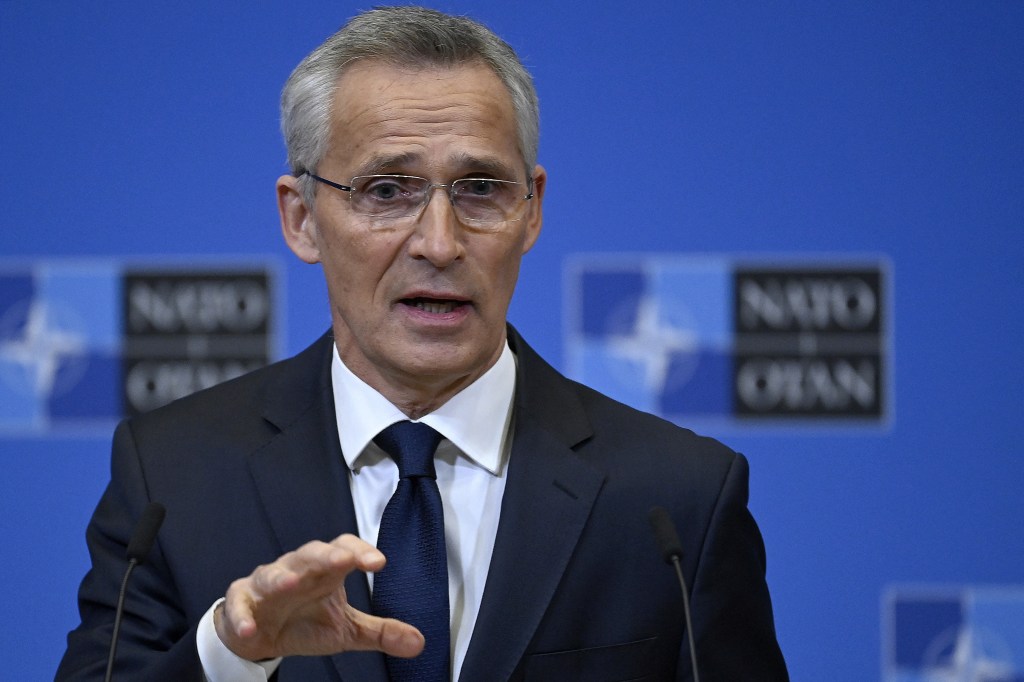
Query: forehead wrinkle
x,y
462,163
384,163
424,108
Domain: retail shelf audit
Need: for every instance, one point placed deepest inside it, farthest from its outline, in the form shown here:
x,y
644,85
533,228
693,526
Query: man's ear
x,y
535,212
297,222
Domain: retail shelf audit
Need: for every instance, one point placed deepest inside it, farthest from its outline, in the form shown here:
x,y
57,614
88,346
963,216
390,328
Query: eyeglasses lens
x,y
479,201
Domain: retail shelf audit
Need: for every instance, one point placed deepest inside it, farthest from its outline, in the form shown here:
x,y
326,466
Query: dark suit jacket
x,y
577,590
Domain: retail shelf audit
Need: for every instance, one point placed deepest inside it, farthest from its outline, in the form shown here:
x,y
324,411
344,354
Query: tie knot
x,y
412,447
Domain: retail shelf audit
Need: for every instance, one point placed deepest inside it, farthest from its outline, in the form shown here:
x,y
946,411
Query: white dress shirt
x,y
471,463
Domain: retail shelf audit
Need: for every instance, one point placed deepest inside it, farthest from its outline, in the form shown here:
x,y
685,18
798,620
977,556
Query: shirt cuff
x,y
220,664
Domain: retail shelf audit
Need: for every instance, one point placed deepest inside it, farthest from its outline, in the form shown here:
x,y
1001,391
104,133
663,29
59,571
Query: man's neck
x,y
417,395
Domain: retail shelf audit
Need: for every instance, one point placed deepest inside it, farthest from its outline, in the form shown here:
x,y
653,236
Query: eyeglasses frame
x,y
427,194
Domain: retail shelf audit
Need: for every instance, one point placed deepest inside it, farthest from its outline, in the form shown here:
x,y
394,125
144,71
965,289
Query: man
x,y
412,137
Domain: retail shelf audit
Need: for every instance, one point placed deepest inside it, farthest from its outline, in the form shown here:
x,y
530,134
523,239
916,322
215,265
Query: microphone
x,y
138,549
672,551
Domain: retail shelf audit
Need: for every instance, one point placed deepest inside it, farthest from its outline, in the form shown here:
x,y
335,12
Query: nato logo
x,y
85,343
733,341
969,634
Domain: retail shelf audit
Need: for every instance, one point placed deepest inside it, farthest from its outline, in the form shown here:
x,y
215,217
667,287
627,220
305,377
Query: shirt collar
x,y
476,419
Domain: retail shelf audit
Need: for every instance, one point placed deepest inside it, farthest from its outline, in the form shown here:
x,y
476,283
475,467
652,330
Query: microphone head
x,y
145,532
665,534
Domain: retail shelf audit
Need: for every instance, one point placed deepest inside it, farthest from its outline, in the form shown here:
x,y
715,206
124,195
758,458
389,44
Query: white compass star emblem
x,y
42,348
653,344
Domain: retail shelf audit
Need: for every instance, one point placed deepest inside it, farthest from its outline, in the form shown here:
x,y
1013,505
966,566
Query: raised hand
x,y
297,606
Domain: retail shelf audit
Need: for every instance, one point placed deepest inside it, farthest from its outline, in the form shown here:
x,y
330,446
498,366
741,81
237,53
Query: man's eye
x,y
480,187
383,190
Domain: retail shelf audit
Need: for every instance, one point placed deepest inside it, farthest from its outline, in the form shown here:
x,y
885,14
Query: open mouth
x,y
433,305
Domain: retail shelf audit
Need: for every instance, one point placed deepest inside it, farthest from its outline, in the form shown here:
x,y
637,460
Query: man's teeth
x,y
435,307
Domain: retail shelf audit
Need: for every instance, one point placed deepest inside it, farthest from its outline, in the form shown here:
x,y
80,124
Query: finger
x,y
393,637
235,623
316,568
237,620
366,556
345,552
272,579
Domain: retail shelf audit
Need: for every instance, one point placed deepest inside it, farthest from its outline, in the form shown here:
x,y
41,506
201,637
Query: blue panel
x,y
997,618
610,302
16,292
92,295
95,391
696,296
698,384
921,625
19,409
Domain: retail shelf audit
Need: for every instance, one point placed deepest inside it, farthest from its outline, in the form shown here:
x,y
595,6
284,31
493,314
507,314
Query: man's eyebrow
x,y
490,166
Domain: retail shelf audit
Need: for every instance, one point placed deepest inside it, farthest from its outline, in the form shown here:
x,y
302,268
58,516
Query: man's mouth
x,y
433,305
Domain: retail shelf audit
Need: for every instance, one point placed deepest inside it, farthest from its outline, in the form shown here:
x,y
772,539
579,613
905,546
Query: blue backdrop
x,y
133,130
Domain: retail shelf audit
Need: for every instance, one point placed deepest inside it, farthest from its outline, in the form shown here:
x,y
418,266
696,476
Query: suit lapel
x,y
548,498
302,479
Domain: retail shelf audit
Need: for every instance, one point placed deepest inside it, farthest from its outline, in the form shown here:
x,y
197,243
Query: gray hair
x,y
401,36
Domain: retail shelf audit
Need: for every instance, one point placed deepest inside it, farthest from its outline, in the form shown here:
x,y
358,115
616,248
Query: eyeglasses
x,y
483,204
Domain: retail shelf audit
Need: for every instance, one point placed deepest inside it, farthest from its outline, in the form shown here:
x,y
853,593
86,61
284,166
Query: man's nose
x,y
437,236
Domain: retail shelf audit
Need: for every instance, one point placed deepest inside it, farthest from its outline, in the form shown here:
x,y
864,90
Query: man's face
x,y
419,307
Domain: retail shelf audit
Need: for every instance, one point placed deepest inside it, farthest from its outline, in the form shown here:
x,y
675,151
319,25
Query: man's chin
x,y
445,362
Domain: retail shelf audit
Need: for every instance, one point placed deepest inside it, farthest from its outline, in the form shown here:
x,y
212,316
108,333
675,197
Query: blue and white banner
x,y
953,634
84,343
733,340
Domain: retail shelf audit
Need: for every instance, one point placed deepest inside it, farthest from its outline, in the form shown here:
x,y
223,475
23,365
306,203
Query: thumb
x,y
390,636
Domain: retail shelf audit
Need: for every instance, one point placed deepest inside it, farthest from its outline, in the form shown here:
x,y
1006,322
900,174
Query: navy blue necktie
x,y
413,586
